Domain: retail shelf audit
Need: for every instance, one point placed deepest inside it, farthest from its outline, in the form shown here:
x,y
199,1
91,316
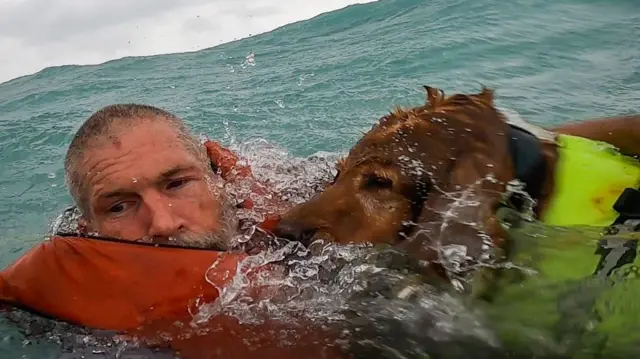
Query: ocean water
x,y
317,85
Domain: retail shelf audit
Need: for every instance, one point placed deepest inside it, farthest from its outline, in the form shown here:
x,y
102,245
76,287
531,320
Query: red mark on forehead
x,y
115,141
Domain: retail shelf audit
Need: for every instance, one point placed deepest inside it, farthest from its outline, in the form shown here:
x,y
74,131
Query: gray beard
x,y
221,239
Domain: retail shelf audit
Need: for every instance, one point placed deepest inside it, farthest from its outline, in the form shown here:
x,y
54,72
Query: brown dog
x,y
443,166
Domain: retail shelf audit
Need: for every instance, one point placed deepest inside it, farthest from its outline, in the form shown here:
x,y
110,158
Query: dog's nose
x,y
294,231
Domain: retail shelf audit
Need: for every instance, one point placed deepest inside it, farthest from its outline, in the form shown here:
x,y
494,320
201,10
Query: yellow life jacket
x,y
589,177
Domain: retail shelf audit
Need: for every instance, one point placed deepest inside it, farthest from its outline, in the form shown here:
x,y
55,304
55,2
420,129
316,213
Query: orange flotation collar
x,y
150,292
113,285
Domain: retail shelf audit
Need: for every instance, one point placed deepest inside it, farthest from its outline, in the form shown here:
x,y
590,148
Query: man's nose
x,y
164,222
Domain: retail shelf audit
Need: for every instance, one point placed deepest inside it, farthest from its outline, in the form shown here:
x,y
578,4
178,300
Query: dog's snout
x,y
294,231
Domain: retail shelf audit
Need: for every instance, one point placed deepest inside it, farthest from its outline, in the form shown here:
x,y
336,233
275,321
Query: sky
x,y
35,34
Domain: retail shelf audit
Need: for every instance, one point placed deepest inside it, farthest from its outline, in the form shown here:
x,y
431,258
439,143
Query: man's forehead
x,y
144,139
144,148
142,131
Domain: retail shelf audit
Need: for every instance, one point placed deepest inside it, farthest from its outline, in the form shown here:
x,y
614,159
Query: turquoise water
x,y
318,84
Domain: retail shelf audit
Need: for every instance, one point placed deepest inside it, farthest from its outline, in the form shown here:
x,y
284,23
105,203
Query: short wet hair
x,y
108,122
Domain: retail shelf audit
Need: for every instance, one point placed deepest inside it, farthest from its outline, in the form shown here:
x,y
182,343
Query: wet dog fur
x,y
420,179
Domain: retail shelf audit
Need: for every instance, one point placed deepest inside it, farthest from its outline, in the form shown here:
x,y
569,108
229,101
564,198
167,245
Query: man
x,y
136,173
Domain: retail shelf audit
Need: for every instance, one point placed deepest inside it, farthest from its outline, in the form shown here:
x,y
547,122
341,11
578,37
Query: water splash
x,y
294,179
364,290
250,60
303,77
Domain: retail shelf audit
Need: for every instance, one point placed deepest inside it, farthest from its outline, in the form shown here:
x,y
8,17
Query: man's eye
x,y
118,208
173,184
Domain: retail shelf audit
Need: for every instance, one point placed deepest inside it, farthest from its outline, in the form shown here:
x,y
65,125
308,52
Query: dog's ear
x,y
487,95
435,96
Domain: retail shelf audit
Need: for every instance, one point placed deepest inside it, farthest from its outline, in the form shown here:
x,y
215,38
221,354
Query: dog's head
x,y
411,168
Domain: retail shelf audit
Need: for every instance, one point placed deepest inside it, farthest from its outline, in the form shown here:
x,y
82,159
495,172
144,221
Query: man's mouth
x,y
191,240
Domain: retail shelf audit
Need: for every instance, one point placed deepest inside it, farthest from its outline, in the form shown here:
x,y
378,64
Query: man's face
x,y
144,184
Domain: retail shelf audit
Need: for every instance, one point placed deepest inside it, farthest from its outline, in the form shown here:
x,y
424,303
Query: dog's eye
x,y
376,181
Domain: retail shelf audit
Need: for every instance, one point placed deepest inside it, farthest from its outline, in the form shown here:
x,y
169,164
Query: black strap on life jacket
x,y
614,253
529,163
627,205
